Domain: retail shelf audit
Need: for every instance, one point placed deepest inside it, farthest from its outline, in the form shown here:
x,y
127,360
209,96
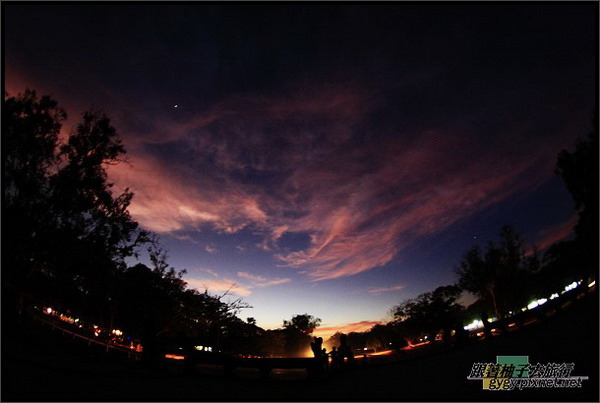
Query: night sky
x,y
327,159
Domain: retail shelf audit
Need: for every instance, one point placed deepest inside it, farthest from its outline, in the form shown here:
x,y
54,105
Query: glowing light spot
x,y
476,324
174,357
536,303
553,296
48,311
593,283
571,286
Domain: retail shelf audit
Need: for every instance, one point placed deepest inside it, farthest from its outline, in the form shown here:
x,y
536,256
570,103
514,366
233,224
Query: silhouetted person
x,y
461,335
487,327
325,357
336,359
502,325
316,347
345,350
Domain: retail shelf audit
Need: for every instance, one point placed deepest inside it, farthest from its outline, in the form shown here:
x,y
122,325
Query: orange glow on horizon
x,y
327,332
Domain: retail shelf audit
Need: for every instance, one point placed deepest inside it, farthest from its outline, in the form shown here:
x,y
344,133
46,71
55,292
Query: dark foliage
x,y
70,235
501,275
429,313
579,170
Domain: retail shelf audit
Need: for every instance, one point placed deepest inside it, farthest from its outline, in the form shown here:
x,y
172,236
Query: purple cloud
x,y
290,164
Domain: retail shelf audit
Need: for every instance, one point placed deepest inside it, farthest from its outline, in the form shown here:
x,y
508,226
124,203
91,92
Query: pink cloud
x,y
379,290
260,281
354,228
184,238
211,248
210,271
164,203
218,286
361,207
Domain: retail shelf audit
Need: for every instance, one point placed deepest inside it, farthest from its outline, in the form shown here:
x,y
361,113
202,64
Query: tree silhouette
x,y
70,236
429,312
562,265
380,337
333,340
30,153
83,195
297,332
272,343
92,224
579,171
499,275
304,323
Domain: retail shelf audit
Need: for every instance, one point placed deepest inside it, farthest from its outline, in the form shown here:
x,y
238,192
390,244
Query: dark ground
x,y
39,367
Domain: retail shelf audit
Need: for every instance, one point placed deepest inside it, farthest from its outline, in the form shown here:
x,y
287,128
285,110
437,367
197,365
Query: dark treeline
x,y
68,235
505,275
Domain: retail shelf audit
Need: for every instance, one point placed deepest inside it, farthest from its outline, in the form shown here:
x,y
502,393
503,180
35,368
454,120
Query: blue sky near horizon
x,y
328,159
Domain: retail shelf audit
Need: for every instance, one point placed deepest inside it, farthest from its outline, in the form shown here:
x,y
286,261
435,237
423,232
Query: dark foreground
x,y
40,368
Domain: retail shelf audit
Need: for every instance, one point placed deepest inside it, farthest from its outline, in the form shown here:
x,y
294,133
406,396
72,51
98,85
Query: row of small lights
x,y
182,357
68,319
478,324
